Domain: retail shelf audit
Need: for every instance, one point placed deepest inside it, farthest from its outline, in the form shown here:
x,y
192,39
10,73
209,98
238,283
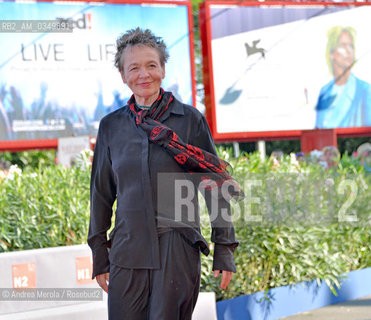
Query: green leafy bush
x,y
304,231
29,159
44,207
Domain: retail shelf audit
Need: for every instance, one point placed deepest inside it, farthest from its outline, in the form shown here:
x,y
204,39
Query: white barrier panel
x,y
81,311
62,268
205,307
59,267
205,310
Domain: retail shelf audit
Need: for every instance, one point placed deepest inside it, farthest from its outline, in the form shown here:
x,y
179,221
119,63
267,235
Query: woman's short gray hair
x,y
139,37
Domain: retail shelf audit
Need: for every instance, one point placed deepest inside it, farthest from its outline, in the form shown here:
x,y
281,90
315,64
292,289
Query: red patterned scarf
x,y
191,158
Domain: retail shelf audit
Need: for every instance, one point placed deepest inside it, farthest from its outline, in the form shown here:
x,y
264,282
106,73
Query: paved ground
x,y
359,309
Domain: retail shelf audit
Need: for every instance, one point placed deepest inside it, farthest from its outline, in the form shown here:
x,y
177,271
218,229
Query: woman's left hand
x,y
226,278
103,280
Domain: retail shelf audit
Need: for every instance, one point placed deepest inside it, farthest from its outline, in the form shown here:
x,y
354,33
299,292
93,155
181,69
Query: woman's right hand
x,y
103,280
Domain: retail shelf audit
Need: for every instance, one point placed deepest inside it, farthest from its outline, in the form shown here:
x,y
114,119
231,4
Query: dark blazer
x,y
126,167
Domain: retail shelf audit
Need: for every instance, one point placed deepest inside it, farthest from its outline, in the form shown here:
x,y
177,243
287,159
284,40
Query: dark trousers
x,y
169,293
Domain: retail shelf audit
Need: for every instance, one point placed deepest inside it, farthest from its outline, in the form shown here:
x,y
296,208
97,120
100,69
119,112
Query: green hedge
x,y
299,237
44,207
307,235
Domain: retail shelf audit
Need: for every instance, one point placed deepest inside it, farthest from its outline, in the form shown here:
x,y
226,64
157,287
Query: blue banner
x,y
58,84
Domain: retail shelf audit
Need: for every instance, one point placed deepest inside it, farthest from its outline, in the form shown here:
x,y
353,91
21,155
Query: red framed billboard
x,y
60,84
274,70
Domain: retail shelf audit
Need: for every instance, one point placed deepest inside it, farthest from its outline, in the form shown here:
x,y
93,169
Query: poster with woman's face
x,y
58,84
291,68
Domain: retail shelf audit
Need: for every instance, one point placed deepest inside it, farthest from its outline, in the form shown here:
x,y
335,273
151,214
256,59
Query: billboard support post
x,y
317,139
262,149
236,149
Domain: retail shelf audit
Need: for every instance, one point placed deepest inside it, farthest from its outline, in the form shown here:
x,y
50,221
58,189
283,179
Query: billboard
x,y
60,84
277,69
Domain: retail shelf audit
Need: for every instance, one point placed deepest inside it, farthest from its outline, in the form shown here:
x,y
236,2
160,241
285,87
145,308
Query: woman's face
x,y
143,73
343,55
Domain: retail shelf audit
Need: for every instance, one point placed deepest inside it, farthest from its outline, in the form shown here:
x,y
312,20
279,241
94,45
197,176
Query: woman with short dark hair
x,y
151,261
